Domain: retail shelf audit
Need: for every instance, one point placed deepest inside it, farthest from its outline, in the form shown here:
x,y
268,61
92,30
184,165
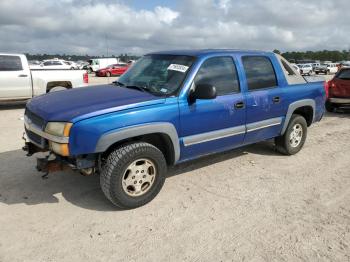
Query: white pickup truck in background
x,y
19,82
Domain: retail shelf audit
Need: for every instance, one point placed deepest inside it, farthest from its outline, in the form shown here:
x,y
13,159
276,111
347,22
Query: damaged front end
x,y
52,162
53,138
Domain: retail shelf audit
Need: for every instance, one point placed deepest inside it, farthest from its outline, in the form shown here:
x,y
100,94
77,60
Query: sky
x,y
108,27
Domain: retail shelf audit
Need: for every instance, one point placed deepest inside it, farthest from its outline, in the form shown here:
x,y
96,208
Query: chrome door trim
x,y
213,135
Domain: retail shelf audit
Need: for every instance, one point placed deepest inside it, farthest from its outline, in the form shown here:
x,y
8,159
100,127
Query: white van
x,y
99,63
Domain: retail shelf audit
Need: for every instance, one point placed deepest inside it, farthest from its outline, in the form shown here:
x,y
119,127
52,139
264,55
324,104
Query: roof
x,y
203,52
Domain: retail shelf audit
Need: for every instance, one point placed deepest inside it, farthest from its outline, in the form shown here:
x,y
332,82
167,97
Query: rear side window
x,y
344,74
48,63
259,72
10,63
219,72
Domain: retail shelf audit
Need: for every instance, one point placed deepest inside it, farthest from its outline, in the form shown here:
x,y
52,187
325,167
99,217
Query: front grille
x,y
34,137
38,122
35,119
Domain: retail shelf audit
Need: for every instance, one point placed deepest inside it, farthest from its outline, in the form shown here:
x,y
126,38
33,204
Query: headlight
x,y
58,128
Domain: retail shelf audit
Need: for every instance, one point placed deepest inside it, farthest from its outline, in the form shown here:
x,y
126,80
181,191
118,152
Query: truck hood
x,y
80,103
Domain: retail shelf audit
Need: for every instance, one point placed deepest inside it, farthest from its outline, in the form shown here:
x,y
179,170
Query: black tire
x,y
316,73
117,163
283,144
329,106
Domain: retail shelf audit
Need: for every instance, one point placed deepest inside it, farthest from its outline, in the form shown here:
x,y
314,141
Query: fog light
x,y
60,149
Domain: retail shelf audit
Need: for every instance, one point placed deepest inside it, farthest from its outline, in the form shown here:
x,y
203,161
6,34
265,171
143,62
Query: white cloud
x,y
73,26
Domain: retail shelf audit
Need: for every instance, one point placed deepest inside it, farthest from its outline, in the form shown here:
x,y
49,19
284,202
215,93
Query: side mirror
x,y
203,91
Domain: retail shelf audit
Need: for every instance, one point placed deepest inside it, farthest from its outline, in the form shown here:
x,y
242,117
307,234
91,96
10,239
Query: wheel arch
x,y
52,84
162,135
305,108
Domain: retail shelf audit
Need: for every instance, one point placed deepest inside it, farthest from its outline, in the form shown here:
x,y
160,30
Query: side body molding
x,y
295,105
114,136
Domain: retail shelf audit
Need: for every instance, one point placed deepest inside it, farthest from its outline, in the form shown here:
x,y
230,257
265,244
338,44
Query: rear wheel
x,y
294,137
133,175
57,88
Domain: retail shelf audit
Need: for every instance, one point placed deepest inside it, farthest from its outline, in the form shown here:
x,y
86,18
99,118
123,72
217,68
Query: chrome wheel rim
x,y
296,135
139,177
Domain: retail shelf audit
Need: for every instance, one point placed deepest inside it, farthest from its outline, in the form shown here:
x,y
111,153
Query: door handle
x,y
276,99
239,105
22,75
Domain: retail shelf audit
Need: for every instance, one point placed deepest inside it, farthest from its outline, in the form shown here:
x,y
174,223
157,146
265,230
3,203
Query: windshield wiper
x,y
118,83
143,89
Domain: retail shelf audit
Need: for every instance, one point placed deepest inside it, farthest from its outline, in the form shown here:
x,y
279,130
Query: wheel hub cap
x,y
296,135
139,177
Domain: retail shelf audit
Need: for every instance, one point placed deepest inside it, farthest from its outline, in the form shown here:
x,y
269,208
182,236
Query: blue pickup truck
x,y
168,108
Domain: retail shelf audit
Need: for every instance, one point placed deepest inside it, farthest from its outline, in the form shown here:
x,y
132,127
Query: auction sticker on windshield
x,y
176,67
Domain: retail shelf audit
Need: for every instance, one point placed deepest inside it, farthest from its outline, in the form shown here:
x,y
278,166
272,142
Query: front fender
x,y
114,136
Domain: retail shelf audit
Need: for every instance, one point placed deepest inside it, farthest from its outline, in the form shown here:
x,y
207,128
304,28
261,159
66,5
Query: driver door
x,y
218,124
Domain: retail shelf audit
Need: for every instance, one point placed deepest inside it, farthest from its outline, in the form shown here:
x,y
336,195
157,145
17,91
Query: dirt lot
x,y
250,204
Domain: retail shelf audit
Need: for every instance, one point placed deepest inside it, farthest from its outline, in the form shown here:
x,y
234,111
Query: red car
x,y
113,70
338,90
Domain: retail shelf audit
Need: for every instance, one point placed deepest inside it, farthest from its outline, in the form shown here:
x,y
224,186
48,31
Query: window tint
x,y
48,63
259,72
56,63
10,63
219,72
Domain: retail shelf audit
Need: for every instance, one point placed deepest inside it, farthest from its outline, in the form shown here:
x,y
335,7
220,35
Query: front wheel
x,y
294,137
133,175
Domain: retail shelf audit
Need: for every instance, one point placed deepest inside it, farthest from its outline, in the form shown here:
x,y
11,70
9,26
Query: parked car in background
x,y
345,64
305,69
326,68
171,107
99,63
55,64
19,82
113,70
82,65
338,90
314,65
72,64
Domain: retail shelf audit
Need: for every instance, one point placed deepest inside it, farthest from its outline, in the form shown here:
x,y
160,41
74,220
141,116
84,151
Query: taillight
x,y
326,88
86,78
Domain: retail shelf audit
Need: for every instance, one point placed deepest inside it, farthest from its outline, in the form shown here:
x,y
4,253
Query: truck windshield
x,y
158,74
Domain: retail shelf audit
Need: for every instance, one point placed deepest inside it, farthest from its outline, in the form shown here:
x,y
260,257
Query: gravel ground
x,y
249,204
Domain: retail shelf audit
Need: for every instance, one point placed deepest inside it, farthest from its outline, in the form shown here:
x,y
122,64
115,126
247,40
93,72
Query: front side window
x,y
10,63
157,73
219,72
259,72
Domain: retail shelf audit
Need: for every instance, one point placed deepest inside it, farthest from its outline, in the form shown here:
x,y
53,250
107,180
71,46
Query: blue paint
x,y
96,111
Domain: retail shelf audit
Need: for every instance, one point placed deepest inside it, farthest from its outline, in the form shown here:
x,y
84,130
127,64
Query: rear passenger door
x,y
264,99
